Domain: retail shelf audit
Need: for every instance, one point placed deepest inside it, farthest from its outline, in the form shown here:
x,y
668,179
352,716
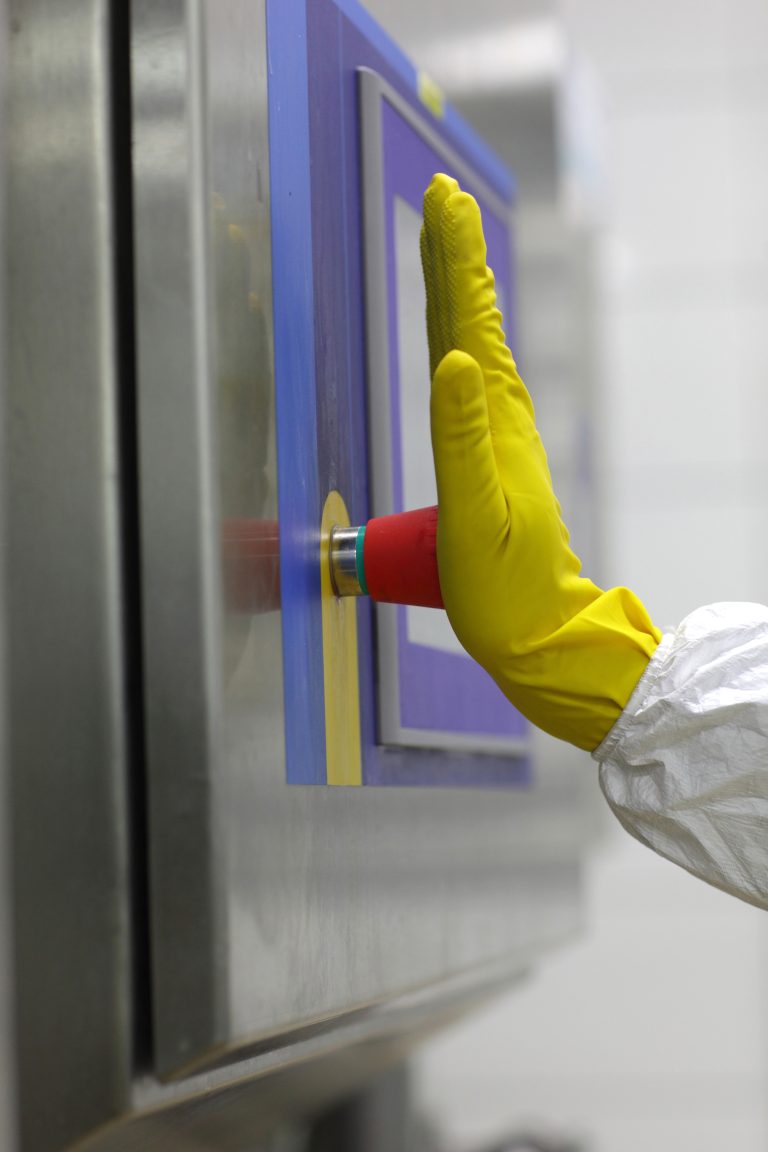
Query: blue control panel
x,y
355,135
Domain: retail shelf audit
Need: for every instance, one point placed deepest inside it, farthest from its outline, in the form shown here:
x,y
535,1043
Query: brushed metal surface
x,y
345,576
8,1118
277,910
231,1108
63,589
180,593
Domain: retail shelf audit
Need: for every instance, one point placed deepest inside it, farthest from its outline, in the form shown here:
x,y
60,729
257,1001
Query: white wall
x,y
647,1036
686,295
652,1033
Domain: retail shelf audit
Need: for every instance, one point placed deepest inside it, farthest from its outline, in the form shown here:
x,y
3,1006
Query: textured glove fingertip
x,y
434,304
439,302
439,189
462,227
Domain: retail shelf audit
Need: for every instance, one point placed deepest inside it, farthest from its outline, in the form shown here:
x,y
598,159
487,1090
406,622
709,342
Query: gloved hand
x,y
566,653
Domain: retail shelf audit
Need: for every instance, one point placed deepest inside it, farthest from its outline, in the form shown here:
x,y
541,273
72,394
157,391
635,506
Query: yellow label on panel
x,y
431,95
342,693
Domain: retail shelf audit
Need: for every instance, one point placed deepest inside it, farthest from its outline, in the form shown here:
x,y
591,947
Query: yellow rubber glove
x,y
566,653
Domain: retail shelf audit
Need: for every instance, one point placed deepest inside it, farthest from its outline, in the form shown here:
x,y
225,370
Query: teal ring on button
x,y
360,559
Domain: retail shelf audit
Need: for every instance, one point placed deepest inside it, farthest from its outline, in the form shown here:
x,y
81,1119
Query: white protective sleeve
x,y
685,767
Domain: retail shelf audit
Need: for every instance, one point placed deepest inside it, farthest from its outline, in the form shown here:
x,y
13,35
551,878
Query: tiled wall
x,y
652,1033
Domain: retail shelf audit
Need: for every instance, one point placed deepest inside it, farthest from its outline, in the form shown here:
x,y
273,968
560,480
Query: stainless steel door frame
x,y
63,585
8,1117
178,513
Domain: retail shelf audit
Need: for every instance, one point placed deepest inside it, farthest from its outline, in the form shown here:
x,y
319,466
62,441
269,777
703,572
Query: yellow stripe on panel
x,y
342,693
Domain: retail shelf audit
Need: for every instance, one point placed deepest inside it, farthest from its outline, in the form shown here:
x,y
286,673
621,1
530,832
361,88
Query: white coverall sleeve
x,y
685,767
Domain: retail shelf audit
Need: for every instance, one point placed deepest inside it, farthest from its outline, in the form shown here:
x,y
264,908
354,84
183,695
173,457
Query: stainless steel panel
x,y
180,596
62,600
230,1109
277,909
8,1120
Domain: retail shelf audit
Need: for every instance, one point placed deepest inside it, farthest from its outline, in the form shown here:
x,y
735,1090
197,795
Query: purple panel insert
x,y
439,691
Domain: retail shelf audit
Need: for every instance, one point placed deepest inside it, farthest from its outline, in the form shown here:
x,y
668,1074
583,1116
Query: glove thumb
x,y
470,498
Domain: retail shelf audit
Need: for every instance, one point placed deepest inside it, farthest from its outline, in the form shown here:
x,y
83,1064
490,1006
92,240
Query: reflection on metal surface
x,y
250,555
243,383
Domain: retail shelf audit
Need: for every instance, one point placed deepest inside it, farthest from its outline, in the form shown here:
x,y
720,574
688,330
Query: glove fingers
x,y
473,510
476,321
438,305
434,305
